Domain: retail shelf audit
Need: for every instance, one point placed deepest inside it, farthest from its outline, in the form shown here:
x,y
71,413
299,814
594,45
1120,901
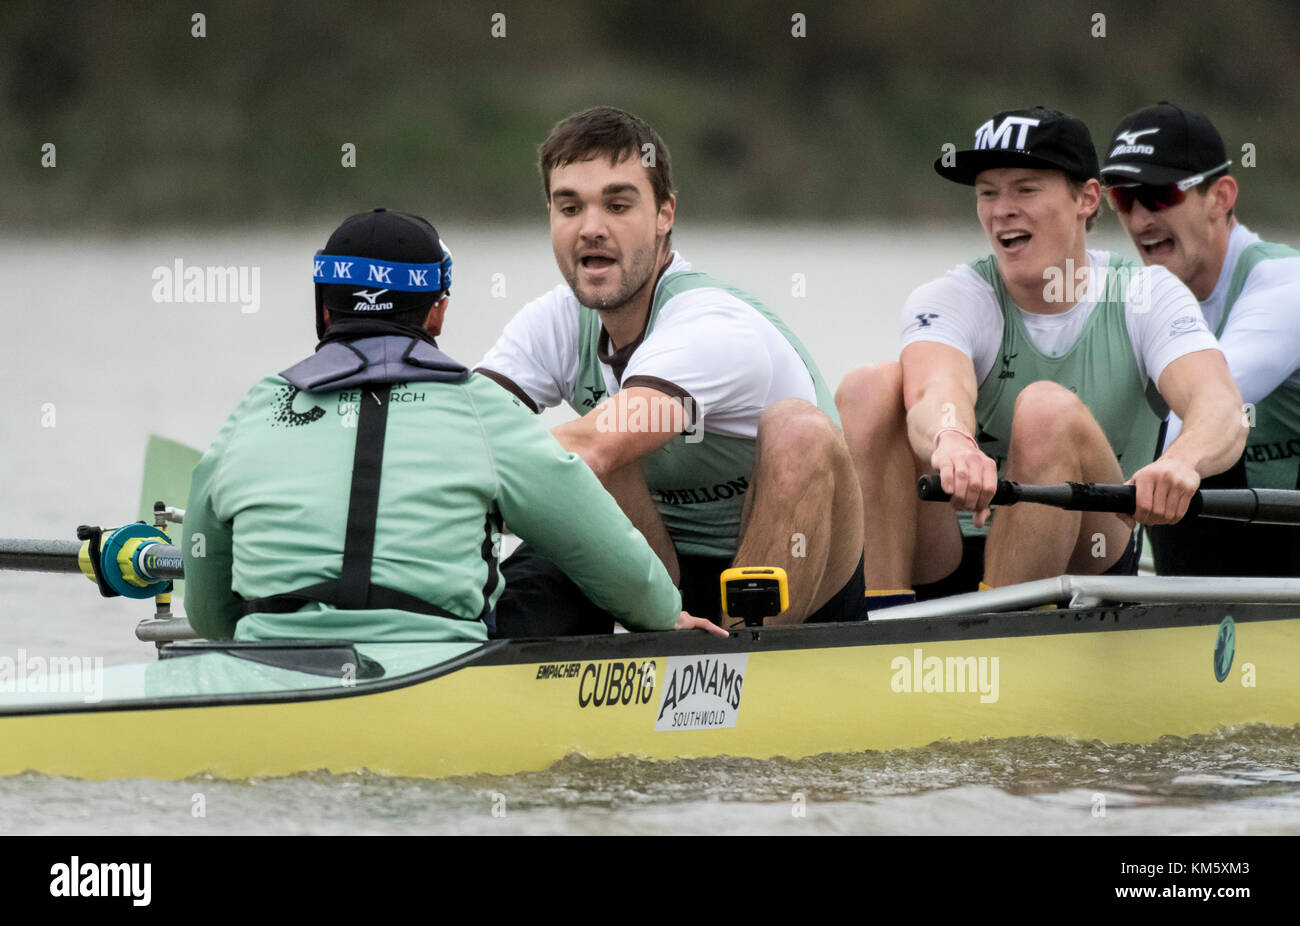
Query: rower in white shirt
x,y
1168,179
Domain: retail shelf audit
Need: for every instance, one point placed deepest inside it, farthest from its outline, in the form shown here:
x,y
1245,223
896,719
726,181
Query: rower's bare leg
x,y
1054,438
628,486
803,510
907,541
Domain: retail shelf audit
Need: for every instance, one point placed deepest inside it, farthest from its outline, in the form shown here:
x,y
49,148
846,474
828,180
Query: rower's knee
x,y
1047,420
795,436
870,403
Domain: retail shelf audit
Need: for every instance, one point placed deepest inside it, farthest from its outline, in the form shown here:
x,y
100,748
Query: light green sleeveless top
x,y
1273,447
698,482
1099,368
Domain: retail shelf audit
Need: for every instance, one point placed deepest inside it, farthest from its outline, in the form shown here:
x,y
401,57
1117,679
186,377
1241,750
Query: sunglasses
x,y
1157,197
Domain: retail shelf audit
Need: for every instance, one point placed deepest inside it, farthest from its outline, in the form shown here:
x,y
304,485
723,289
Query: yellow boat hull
x,y
1111,674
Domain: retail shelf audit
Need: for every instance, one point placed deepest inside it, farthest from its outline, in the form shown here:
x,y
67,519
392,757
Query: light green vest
x,y
1273,447
698,482
1099,368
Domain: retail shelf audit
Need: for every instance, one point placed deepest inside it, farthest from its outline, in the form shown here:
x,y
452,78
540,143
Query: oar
x,y
168,466
1256,506
39,555
167,469
135,560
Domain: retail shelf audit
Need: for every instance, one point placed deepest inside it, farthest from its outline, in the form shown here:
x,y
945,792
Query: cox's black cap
x,y
1163,144
1039,138
379,263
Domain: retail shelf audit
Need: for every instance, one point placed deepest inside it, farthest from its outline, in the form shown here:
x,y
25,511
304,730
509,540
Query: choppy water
x,y
122,366
1241,782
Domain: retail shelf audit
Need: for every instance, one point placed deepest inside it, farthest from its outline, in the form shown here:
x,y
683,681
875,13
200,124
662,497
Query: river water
x,y
95,358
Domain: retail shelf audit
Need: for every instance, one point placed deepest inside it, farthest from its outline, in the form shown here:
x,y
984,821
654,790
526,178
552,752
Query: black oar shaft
x,y
1082,496
1256,506
39,555
157,561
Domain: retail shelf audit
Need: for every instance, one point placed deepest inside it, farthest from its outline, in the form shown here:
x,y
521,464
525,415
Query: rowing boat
x,y
1119,659
1124,659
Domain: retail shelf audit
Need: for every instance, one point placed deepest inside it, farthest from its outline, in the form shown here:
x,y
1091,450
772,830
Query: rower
x,y
1168,179
700,411
359,494
1033,364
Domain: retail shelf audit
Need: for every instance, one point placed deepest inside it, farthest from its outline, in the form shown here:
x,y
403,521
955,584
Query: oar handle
x,y
1257,506
930,489
1072,496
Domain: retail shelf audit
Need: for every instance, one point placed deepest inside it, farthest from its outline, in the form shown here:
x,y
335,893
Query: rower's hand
x,y
1164,490
966,473
690,622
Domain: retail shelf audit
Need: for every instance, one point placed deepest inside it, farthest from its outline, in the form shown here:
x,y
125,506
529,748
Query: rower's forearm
x,y
628,486
1212,438
933,412
574,438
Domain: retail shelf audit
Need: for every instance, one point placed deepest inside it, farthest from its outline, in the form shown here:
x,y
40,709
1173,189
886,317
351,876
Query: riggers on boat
x,y
1124,659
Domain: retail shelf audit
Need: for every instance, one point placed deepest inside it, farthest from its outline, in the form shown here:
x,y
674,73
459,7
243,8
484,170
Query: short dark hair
x,y
1076,190
618,135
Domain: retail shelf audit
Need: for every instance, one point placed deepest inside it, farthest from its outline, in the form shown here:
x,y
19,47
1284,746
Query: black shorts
x,y
970,571
541,601
1206,547
1209,547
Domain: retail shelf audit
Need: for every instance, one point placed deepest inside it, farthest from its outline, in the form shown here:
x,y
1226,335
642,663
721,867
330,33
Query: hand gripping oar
x,y
1255,506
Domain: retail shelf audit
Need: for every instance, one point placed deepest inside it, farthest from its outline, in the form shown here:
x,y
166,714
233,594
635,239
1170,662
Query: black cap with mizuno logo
x,y
1038,138
379,263
1163,144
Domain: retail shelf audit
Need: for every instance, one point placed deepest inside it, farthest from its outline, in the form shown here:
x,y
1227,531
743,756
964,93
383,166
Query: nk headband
x,y
334,269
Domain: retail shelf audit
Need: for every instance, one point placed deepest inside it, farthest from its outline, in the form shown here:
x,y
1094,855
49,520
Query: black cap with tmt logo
x,y
1163,144
379,263
1038,138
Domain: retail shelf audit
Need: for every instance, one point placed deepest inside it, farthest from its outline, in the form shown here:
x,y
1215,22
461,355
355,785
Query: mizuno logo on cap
x,y
369,305
1130,138
986,136
1128,143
